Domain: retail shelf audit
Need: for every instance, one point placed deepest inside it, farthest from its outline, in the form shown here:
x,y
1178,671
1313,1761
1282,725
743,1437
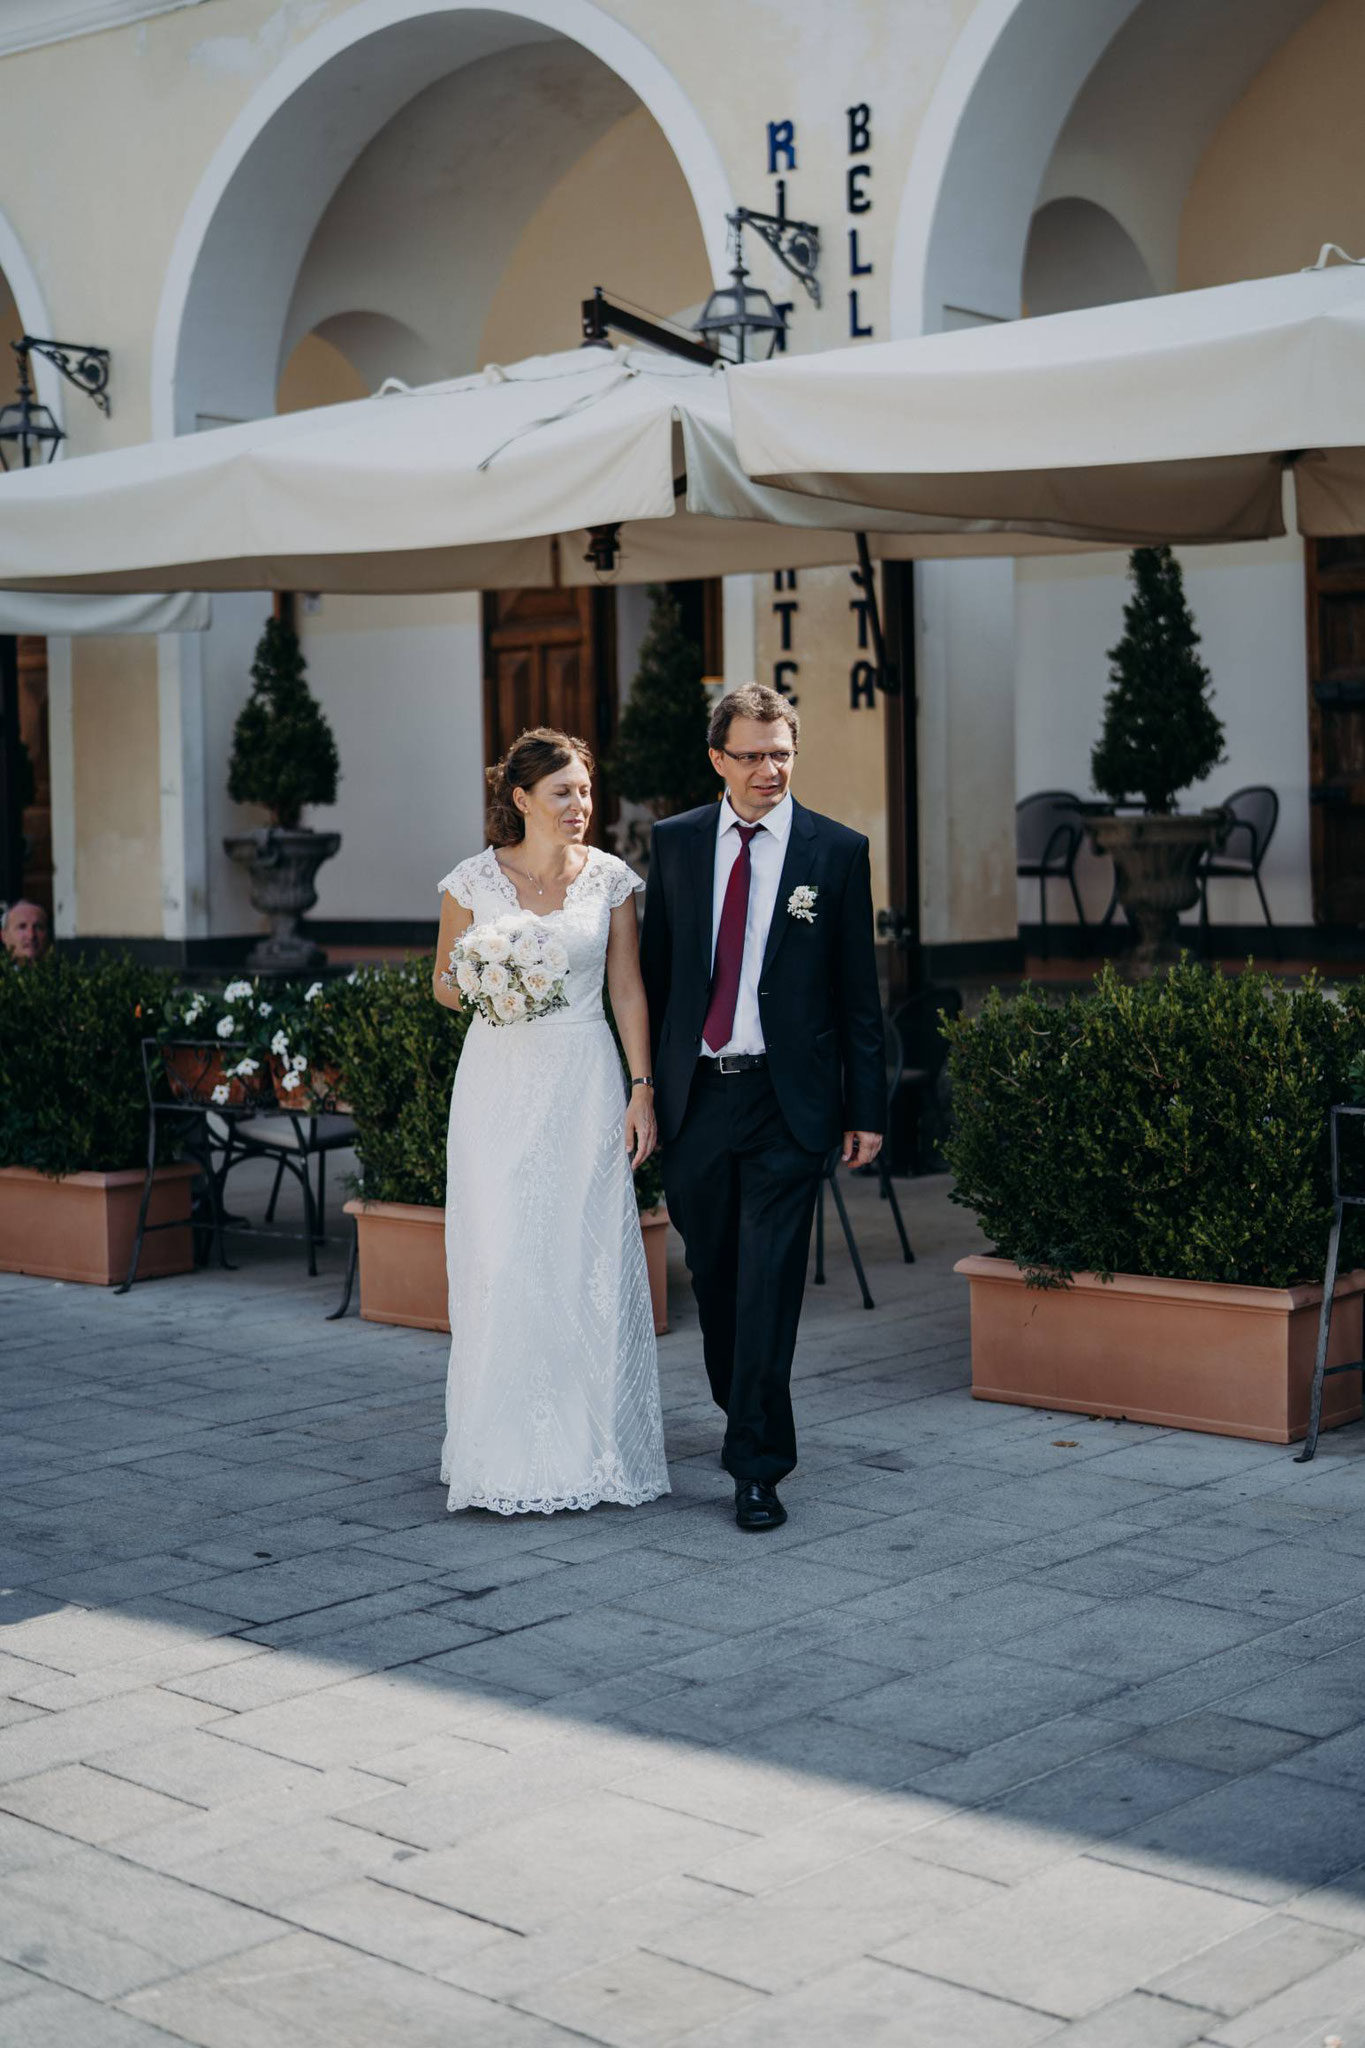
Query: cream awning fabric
x,y
1165,419
51,614
487,482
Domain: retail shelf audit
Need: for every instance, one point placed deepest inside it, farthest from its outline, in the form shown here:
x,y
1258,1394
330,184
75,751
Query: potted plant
x,y
73,1123
211,1046
1160,734
659,762
397,1051
283,757
1150,1163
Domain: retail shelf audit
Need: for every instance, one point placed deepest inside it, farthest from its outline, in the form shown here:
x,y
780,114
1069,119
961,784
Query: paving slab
x,y
1025,1727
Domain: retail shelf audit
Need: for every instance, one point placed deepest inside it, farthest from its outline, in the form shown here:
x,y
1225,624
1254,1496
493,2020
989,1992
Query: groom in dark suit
x,y
766,1018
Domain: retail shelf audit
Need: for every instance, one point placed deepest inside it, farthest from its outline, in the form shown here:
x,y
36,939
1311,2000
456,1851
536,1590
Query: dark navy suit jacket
x,y
818,996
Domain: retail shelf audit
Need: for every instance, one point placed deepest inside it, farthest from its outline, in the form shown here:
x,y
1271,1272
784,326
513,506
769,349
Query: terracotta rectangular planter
x,y
81,1226
1184,1354
654,1229
403,1264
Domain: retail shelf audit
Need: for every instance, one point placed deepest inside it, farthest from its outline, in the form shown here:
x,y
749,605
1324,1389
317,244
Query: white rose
x,y
226,1026
526,951
505,1006
537,982
555,957
279,1045
496,946
494,979
310,995
467,975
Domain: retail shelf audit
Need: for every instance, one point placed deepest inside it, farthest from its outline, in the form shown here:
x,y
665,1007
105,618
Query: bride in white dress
x,y
552,1396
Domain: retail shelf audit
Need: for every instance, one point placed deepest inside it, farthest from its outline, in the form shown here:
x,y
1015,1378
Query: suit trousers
x,y
742,1193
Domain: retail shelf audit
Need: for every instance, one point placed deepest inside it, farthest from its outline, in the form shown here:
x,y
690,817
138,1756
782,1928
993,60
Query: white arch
x,y
361,48
22,280
983,147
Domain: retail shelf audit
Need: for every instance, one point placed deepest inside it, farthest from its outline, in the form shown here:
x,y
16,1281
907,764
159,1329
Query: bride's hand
x,y
642,1133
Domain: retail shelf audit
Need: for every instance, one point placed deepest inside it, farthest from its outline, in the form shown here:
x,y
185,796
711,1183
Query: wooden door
x,y
550,659
1336,723
32,682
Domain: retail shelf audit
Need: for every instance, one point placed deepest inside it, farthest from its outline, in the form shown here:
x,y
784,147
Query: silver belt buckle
x,y
728,1062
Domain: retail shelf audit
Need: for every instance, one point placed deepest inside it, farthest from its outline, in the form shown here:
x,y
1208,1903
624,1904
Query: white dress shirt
x,y
767,851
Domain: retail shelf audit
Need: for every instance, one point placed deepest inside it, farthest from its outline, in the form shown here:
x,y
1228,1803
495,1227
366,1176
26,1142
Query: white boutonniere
x,y
801,903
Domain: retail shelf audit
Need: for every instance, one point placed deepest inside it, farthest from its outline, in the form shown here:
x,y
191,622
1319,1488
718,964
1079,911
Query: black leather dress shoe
x,y
757,1506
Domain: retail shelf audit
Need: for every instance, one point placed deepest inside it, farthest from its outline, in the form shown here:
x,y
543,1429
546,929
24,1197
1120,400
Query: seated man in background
x,y
25,930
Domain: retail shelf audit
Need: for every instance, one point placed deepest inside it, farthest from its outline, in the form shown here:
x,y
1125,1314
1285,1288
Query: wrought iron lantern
x,y
744,312
27,428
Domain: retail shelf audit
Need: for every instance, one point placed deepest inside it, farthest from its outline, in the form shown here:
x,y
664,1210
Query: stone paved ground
x,y
1026,1729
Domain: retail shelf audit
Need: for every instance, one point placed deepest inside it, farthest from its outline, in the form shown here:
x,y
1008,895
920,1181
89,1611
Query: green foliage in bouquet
x,y
72,1094
1160,731
660,754
1176,1127
398,1050
283,752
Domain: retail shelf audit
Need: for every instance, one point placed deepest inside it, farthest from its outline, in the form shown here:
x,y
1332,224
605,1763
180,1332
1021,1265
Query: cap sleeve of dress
x,y
619,882
460,882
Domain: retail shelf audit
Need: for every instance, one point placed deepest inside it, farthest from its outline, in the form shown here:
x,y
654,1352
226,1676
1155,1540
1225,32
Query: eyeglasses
x,y
781,757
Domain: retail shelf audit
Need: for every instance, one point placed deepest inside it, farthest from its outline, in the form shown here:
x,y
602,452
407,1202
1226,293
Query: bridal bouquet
x,y
511,970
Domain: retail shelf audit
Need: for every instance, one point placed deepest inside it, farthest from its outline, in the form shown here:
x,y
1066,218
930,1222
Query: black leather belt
x,y
735,1062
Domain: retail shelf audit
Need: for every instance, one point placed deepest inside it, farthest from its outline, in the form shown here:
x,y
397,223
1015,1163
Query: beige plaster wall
x,y
318,374
841,770
117,787
1285,172
575,241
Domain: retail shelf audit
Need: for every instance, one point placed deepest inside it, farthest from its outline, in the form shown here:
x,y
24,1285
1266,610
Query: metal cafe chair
x,y
895,1068
1254,813
1049,835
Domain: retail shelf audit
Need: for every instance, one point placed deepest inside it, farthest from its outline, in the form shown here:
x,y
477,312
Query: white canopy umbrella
x,y
48,613
514,477
1166,419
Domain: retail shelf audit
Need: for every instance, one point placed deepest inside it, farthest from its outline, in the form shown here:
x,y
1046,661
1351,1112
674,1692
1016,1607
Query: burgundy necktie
x,y
734,915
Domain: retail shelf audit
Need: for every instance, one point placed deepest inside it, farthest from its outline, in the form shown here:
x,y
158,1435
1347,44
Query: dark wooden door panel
x,y
550,659
1336,726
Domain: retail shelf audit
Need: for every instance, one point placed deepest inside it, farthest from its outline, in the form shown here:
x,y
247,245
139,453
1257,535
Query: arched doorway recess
x,y
387,193
1050,114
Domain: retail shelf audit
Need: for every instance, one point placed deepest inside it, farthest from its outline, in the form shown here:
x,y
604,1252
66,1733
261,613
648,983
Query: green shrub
x,y
1176,1127
283,752
398,1049
660,754
72,1095
1160,733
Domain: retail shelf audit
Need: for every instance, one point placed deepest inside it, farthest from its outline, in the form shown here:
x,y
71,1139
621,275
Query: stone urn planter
x,y
81,1226
283,866
1156,860
1181,1354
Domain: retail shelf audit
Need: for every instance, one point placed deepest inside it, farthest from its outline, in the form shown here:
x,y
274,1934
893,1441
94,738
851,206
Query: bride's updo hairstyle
x,y
528,760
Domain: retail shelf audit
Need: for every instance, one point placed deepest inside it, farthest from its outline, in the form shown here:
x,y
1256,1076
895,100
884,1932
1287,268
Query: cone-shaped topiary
x,y
283,752
1160,731
660,753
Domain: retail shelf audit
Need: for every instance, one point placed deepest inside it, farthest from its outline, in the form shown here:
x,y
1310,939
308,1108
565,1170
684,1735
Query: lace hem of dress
x,y
608,1494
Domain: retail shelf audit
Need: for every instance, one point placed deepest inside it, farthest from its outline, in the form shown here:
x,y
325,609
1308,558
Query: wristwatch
x,y
642,1080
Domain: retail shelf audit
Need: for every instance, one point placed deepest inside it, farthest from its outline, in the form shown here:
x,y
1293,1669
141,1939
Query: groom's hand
x,y
861,1147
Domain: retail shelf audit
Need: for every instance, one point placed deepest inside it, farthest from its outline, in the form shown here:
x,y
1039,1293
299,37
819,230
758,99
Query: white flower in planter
x,y
298,1063
247,1066
221,1093
226,1026
237,992
801,903
291,1079
310,995
264,1009
279,1045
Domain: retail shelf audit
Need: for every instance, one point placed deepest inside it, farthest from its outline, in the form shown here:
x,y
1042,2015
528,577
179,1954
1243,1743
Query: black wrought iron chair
x,y
1255,812
895,1069
1049,834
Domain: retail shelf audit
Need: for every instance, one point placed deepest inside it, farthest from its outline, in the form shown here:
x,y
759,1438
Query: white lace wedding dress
x,y
552,1397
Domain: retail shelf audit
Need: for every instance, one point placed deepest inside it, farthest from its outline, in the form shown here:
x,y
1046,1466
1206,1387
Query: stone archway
x,y
255,267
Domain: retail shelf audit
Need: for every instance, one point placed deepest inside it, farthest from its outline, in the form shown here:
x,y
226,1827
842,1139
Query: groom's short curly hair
x,y
752,700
